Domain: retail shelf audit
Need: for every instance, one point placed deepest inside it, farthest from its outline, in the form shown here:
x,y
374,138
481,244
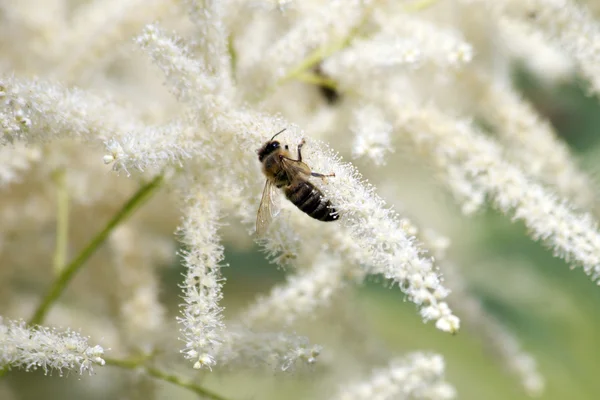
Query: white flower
x,y
371,134
566,23
46,348
201,320
276,350
300,296
532,144
419,376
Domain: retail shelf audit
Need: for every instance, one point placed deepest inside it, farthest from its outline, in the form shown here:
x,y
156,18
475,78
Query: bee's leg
x,y
322,176
300,149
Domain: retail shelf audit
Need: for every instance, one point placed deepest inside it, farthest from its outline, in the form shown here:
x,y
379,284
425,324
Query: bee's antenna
x,y
281,131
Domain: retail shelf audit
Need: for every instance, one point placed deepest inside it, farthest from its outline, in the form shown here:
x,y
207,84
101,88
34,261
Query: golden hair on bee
x,y
290,175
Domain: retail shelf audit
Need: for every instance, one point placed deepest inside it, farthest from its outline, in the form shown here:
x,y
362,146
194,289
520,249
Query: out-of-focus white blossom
x,y
532,145
371,134
46,348
34,111
403,43
16,160
326,24
530,46
212,37
33,25
300,296
566,23
141,314
276,350
417,376
456,144
188,77
156,147
98,28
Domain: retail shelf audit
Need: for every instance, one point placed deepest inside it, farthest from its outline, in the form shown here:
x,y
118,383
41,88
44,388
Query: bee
x,y
283,172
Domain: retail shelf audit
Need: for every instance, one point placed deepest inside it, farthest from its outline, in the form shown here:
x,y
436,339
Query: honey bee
x,y
283,172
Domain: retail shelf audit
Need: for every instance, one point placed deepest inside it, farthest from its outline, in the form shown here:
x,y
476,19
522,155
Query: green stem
x,y
315,79
74,266
163,376
323,52
319,55
62,221
232,55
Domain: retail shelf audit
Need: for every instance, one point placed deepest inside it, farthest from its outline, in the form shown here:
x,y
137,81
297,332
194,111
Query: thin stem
x,y
315,79
163,376
318,55
232,56
323,52
62,221
74,266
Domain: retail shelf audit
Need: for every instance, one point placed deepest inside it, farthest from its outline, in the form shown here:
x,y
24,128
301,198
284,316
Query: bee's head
x,y
269,147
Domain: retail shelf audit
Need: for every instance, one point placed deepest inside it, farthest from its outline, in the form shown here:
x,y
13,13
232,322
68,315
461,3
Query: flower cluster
x,y
419,376
46,348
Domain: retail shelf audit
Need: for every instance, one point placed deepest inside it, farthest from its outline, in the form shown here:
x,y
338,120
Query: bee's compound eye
x,y
273,145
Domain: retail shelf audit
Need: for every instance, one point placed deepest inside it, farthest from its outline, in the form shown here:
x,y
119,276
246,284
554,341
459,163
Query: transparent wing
x,y
265,209
294,167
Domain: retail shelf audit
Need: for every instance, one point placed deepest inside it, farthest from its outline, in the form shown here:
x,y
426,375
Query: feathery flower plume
x,y
417,376
402,43
566,23
380,232
372,134
141,313
531,143
155,146
376,229
276,350
300,296
37,111
186,76
212,37
456,145
527,44
201,320
46,348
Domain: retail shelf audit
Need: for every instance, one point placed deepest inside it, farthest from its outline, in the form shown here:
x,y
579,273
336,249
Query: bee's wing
x,y
265,209
294,167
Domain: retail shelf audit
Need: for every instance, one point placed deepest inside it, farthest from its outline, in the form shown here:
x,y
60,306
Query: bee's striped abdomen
x,y
310,200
